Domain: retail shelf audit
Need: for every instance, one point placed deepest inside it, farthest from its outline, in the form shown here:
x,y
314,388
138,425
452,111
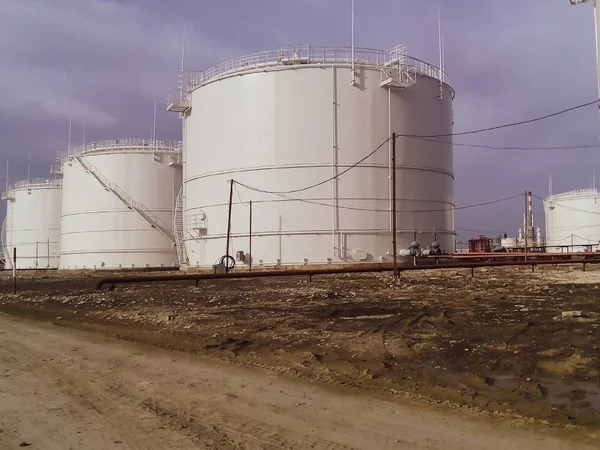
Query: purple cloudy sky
x,y
108,60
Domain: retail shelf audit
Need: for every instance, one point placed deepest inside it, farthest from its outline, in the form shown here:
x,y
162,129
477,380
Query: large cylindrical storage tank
x,y
289,127
572,220
117,204
32,224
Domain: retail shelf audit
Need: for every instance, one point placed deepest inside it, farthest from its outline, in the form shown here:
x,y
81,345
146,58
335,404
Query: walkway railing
x,y
149,145
306,54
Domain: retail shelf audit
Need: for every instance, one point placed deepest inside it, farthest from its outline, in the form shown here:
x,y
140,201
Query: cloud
x,y
108,60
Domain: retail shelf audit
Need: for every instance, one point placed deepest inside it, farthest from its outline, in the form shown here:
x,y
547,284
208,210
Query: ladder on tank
x,y
178,229
147,215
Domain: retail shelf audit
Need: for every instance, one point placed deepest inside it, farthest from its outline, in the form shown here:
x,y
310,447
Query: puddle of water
x,y
572,396
569,396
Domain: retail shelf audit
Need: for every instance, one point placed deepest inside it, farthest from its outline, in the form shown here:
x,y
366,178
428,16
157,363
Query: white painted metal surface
x,y
32,224
117,204
508,242
290,118
572,220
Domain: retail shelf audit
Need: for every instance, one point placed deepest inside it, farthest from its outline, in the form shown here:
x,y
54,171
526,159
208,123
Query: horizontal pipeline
x,y
332,271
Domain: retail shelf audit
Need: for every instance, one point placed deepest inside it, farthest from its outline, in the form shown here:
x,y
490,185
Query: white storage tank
x,y
286,119
32,224
508,242
117,204
572,220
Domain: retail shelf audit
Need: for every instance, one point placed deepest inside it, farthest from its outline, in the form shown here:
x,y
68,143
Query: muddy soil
x,y
507,342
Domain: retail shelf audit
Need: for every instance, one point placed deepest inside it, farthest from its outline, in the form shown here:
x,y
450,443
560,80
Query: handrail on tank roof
x,y
307,54
575,192
127,144
34,182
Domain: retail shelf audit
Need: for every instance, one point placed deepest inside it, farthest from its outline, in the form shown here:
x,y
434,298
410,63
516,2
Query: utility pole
x,y
526,225
250,243
229,225
394,243
14,271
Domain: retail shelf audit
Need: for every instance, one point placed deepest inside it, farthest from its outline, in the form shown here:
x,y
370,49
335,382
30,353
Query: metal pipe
x,y
390,155
48,254
367,268
394,238
334,163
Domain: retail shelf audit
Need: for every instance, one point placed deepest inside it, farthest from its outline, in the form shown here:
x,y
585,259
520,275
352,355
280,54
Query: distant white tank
x,y
572,220
294,117
117,204
508,242
32,224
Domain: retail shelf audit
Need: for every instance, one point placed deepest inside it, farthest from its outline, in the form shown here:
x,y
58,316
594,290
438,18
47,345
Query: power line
x,y
353,208
482,231
492,147
293,191
523,122
508,125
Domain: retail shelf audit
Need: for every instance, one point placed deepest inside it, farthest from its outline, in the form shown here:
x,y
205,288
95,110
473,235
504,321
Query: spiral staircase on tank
x,y
154,221
178,229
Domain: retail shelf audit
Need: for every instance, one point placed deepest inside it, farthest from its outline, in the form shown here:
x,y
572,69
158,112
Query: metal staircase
x,y
397,72
7,256
178,228
149,216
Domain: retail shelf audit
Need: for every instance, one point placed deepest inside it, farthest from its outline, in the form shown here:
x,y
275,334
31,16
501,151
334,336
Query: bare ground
x,y
496,345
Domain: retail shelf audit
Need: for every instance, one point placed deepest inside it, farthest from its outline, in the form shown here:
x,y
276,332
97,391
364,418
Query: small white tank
x,y
32,224
117,205
508,242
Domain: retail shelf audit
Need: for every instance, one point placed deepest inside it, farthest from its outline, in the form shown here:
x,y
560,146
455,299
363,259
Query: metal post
x,y
14,270
250,243
229,224
597,46
353,49
48,254
526,224
36,254
572,244
394,243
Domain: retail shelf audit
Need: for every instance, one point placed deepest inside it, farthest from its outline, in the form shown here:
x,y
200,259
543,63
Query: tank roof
x,y
33,183
577,193
294,55
127,145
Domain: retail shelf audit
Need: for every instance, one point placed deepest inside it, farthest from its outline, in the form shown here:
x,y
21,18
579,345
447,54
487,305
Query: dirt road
x,y
62,389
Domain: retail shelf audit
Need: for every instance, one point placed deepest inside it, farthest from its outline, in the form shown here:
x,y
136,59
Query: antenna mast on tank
x,y
29,173
154,124
6,174
550,186
70,125
441,49
180,81
353,50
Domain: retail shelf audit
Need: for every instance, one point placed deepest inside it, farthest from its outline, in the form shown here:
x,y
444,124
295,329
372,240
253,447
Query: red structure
x,y
481,245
